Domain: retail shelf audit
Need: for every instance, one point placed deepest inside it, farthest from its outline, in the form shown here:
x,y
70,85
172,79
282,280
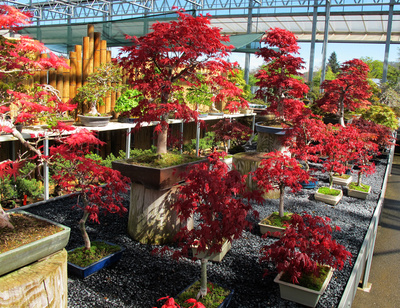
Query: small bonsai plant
x,y
128,100
107,77
279,81
234,131
350,90
305,246
83,176
210,193
279,170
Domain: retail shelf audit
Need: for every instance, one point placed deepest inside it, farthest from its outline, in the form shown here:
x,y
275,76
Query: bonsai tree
x,y
280,83
19,103
127,101
82,175
170,57
234,131
211,194
107,77
279,170
350,90
381,114
306,245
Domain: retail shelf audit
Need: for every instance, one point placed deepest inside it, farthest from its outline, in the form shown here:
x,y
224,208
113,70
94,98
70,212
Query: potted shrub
x,y
98,189
278,170
211,194
350,90
305,257
126,102
107,77
279,84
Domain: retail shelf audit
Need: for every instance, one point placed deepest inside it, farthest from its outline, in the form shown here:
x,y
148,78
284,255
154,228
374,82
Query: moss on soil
x,y
310,281
275,220
361,187
98,250
329,191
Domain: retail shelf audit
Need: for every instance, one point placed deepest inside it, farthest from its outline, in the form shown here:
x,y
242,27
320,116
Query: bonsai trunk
x,y
162,137
359,178
281,199
83,229
93,109
203,279
341,111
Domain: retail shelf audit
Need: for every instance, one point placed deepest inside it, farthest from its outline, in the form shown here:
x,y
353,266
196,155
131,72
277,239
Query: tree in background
x,y
333,63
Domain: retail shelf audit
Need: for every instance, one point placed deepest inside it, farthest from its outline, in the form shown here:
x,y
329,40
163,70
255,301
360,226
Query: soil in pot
x,y
310,281
275,220
27,229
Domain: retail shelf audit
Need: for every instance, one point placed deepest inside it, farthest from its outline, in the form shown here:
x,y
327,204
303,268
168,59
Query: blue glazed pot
x,y
270,129
309,185
83,272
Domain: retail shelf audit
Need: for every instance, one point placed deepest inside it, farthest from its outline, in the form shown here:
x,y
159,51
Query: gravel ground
x,y
140,278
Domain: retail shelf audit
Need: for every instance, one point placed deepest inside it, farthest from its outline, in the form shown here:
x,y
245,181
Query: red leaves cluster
x,y
306,243
217,197
226,129
84,176
277,80
170,303
350,90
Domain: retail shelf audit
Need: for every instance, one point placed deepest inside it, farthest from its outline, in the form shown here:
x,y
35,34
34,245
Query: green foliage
x,y
381,114
275,220
361,187
333,63
215,295
98,250
128,100
329,191
204,143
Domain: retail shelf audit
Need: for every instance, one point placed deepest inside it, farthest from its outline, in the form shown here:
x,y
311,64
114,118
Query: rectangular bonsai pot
x,y
358,193
28,253
216,256
83,272
154,178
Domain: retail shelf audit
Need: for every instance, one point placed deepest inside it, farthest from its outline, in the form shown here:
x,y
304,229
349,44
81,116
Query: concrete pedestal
x,y
151,220
42,284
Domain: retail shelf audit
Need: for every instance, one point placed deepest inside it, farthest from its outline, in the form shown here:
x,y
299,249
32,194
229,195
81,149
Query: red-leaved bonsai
x,y
98,187
230,130
280,81
168,59
350,90
278,170
216,197
21,104
306,244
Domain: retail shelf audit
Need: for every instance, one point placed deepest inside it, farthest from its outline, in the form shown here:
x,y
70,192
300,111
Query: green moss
x,y
151,159
342,176
329,191
310,281
215,295
275,220
98,250
361,187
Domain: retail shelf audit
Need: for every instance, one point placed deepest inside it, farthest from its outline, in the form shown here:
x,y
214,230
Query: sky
x,y
344,52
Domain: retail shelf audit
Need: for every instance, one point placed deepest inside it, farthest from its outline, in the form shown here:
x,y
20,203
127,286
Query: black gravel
x,y
141,277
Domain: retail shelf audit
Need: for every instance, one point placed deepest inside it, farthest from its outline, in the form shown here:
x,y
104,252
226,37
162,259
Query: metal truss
x,y
67,11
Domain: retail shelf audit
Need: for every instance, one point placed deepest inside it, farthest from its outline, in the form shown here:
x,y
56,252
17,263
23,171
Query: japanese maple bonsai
x,y
168,59
280,82
304,256
350,90
216,197
278,170
97,187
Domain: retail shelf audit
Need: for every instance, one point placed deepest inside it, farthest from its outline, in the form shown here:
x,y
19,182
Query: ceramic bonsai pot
x,y
309,185
28,253
341,180
265,228
216,256
330,199
358,193
269,129
83,272
299,294
154,178
93,121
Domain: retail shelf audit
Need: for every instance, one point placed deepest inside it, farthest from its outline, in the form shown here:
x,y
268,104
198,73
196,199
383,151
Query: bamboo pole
x,y
72,75
97,49
103,51
60,79
108,96
53,78
78,50
66,73
85,59
90,33
43,73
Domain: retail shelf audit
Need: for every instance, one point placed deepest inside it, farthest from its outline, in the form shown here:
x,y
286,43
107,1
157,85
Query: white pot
x,y
301,295
341,181
216,256
333,200
358,194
